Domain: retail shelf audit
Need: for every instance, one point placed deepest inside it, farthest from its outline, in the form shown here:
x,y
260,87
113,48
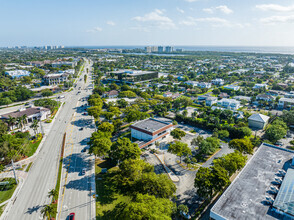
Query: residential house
x,y
218,82
223,95
111,94
286,103
204,85
191,83
265,97
231,87
211,100
231,104
259,86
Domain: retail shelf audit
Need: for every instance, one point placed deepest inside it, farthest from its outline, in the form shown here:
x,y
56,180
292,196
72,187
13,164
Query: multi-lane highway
x,y
76,194
42,176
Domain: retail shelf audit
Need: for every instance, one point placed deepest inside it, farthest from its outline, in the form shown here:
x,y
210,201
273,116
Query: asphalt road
x,y
76,195
42,176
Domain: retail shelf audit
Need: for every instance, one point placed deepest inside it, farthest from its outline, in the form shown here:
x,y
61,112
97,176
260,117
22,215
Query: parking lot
x,y
186,193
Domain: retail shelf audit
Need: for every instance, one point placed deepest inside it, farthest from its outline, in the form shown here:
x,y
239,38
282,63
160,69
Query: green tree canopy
x,y
124,149
145,207
180,149
243,145
177,133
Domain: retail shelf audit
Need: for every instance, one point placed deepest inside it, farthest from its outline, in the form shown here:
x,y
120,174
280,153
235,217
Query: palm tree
x,y
19,122
53,193
35,126
24,120
47,211
11,121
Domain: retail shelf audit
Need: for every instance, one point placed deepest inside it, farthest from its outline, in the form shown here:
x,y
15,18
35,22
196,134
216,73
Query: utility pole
x,y
14,171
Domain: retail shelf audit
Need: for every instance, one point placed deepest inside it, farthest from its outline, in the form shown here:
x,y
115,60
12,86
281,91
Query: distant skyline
x,y
149,22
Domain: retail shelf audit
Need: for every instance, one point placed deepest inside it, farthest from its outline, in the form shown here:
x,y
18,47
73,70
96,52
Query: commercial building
x,y
260,191
230,104
258,121
286,103
59,64
17,73
134,76
150,130
55,78
32,113
160,49
169,49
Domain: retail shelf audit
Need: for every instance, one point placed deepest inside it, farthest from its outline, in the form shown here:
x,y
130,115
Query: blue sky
x,y
147,22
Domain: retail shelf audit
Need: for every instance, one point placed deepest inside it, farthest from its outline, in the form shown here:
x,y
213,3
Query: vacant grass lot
x,y
33,146
107,197
7,191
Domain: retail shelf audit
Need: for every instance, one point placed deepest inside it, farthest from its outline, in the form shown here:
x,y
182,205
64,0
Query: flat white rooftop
x,y
245,198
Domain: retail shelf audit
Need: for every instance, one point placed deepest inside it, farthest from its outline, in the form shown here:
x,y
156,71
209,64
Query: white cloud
x,y
111,23
212,21
191,0
222,8
180,10
95,29
278,19
275,7
190,21
208,10
156,18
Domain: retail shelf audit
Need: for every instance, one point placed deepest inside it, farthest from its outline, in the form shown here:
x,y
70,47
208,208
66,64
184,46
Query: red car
x,y
71,216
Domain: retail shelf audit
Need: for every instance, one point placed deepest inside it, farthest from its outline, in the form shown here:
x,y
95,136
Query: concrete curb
x,y
170,173
12,199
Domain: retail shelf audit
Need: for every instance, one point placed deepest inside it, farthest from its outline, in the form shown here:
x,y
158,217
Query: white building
x,y
230,104
210,100
258,121
259,86
204,85
63,63
150,130
55,78
17,73
231,87
218,82
191,83
286,103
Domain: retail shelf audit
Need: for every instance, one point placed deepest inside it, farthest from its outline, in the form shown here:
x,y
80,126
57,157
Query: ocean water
x,y
279,50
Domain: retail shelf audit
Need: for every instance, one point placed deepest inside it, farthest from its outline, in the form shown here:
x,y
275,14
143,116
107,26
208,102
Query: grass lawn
x,y
107,197
2,209
34,146
7,193
29,167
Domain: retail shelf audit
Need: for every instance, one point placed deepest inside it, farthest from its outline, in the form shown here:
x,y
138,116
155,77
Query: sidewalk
x,y
170,173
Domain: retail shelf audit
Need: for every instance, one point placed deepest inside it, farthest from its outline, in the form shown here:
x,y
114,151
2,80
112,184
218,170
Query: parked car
x,y
71,216
83,171
81,129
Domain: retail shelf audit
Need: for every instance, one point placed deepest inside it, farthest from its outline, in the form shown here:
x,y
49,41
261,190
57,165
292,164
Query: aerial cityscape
x,y
124,110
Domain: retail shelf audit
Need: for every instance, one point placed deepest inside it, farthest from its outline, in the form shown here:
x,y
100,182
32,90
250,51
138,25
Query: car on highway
x,y
71,216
